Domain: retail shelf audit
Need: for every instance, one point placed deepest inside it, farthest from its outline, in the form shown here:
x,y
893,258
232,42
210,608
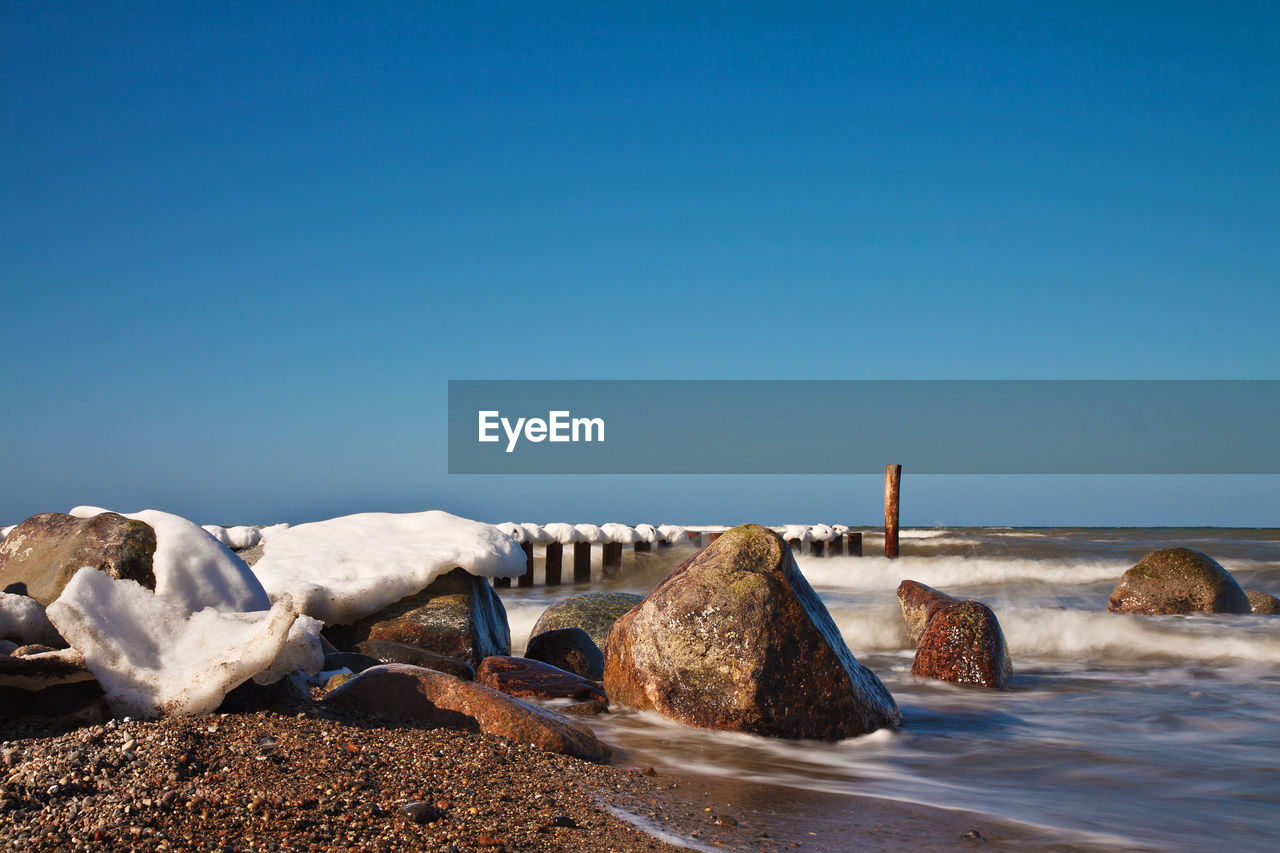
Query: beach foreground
x,y
306,778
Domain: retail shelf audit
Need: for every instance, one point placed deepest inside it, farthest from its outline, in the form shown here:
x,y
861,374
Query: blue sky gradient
x,y
243,246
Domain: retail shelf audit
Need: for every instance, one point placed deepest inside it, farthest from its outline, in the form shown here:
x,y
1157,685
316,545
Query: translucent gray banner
x,y
857,426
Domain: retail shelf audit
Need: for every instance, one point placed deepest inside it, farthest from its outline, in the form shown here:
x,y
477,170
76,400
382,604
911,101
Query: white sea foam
x,y
521,619
868,574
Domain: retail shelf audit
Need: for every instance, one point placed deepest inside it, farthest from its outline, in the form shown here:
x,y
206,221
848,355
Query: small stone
x,y
724,820
420,812
972,835
565,821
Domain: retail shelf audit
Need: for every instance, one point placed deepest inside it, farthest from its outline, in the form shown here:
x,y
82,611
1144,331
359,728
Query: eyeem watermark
x,y
558,426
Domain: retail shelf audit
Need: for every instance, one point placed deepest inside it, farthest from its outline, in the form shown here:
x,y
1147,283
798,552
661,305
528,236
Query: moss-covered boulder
x,y
458,616
1178,580
593,612
40,555
570,649
735,638
962,643
919,603
1263,603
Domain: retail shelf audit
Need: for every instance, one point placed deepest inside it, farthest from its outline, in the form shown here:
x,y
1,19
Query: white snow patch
x,y
535,534
647,533
619,533
23,619
192,569
590,533
346,568
218,532
672,532
152,656
272,529
565,534
242,537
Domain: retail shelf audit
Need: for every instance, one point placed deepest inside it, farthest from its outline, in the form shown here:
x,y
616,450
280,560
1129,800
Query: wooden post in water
x,y
502,583
855,543
713,535
892,481
526,579
817,547
554,561
643,547
695,536
835,547
611,562
581,562
796,545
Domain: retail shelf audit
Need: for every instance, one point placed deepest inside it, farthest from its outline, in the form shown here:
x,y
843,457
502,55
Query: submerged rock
x,y
1263,603
535,680
1177,580
963,643
42,553
423,696
593,612
570,649
919,603
735,638
457,615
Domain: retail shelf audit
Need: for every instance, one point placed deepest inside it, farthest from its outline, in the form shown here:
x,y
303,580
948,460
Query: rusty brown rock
x,y
570,649
424,696
735,638
919,603
535,680
458,616
1177,580
963,643
1263,603
40,555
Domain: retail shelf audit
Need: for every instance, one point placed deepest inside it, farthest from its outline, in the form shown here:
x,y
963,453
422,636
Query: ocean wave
x,y
871,574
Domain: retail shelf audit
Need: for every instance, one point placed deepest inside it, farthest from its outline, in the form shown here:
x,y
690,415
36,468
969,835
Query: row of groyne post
x,y
817,540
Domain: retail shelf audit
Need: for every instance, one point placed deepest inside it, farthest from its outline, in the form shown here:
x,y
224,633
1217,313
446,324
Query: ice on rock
x,y
346,568
153,657
619,533
515,531
192,569
23,619
302,651
217,532
241,537
272,529
565,534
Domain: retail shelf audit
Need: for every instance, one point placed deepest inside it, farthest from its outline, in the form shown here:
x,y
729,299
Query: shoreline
x,y
303,778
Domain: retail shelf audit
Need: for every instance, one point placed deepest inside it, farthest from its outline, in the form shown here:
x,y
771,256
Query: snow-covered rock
x,y
23,619
272,529
153,657
515,531
241,537
218,532
192,569
344,569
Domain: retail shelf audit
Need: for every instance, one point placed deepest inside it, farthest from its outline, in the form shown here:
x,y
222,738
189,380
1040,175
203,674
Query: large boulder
x,y
458,615
427,697
919,603
735,638
41,554
593,612
962,643
1263,603
569,649
534,679
1178,580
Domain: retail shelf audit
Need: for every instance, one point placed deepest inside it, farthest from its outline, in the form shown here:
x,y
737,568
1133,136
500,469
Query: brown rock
x,y
51,684
569,649
41,554
1178,580
735,638
1263,603
424,696
386,652
535,679
963,643
458,616
919,603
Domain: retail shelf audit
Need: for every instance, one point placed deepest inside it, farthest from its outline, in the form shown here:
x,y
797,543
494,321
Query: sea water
x,y
1141,731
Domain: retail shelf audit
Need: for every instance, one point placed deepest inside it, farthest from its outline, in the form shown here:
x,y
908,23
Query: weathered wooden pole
x,y
611,562
892,481
835,547
695,536
817,547
855,543
526,579
581,562
713,535
554,562
796,545
642,547
502,583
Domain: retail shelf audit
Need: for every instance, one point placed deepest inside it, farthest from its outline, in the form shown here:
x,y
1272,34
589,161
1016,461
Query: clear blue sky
x,y
244,245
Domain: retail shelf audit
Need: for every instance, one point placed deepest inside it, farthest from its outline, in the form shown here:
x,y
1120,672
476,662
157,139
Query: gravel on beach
x,y
302,781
